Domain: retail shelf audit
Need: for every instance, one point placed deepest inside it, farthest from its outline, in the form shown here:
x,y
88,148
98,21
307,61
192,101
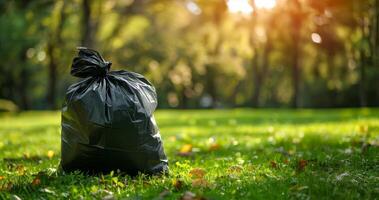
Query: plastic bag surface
x,y
108,122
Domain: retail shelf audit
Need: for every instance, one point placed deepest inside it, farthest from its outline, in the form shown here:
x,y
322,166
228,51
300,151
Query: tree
x,y
297,17
54,48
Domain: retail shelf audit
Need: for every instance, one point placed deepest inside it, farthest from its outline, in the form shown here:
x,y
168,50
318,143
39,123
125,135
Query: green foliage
x,y
223,154
196,51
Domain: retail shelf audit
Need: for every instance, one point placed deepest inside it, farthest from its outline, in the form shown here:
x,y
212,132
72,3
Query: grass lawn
x,y
213,154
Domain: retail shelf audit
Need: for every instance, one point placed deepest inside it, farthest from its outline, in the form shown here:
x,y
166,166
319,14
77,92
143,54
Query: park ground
x,y
213,154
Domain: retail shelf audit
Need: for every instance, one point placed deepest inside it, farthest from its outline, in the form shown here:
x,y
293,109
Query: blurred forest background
x,y
197,53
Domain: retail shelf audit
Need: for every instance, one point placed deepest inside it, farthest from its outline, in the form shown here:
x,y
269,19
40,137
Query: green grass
x,y
245,154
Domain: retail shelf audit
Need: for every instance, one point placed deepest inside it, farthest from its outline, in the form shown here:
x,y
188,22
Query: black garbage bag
x,y
108,122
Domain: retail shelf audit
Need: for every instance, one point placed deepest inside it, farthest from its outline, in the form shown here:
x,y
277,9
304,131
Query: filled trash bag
x,y
108,122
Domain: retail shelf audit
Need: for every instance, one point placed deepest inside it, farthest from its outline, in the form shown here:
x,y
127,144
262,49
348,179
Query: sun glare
x,y
265,4
240,6
316,38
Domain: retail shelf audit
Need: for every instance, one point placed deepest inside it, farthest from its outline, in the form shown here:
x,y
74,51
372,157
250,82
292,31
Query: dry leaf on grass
x,y
36,181
214,146
50,154
197,173
273,164
26,155
362,128
301,164
178,184
172,138
185,150
20,169
6,187
235,169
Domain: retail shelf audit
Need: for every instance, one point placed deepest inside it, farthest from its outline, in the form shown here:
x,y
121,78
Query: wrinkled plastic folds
x,y
108,122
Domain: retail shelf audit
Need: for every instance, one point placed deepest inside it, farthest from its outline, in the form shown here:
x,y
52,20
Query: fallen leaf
x,y
36,181
285,161
363,128
50,154
178,184
235,169
6,187
273,164
26,155
188,196
2,177
172,138
9,186
214,146
185,150
199,182
197,173
302,164
20,169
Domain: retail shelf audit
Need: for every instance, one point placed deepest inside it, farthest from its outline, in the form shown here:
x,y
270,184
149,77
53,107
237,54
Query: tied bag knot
x,y
89,63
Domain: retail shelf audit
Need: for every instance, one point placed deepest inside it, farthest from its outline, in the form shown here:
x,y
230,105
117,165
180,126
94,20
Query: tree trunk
x,y
264,68
259,69
362,80
375,34
363,58
211,85
295,73
257,78
24,81
51,92
233,97
184,98
53,45
87,37
296,19
376,52
257,91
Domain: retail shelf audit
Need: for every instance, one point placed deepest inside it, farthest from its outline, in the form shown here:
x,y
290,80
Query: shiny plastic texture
x,y
108,122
